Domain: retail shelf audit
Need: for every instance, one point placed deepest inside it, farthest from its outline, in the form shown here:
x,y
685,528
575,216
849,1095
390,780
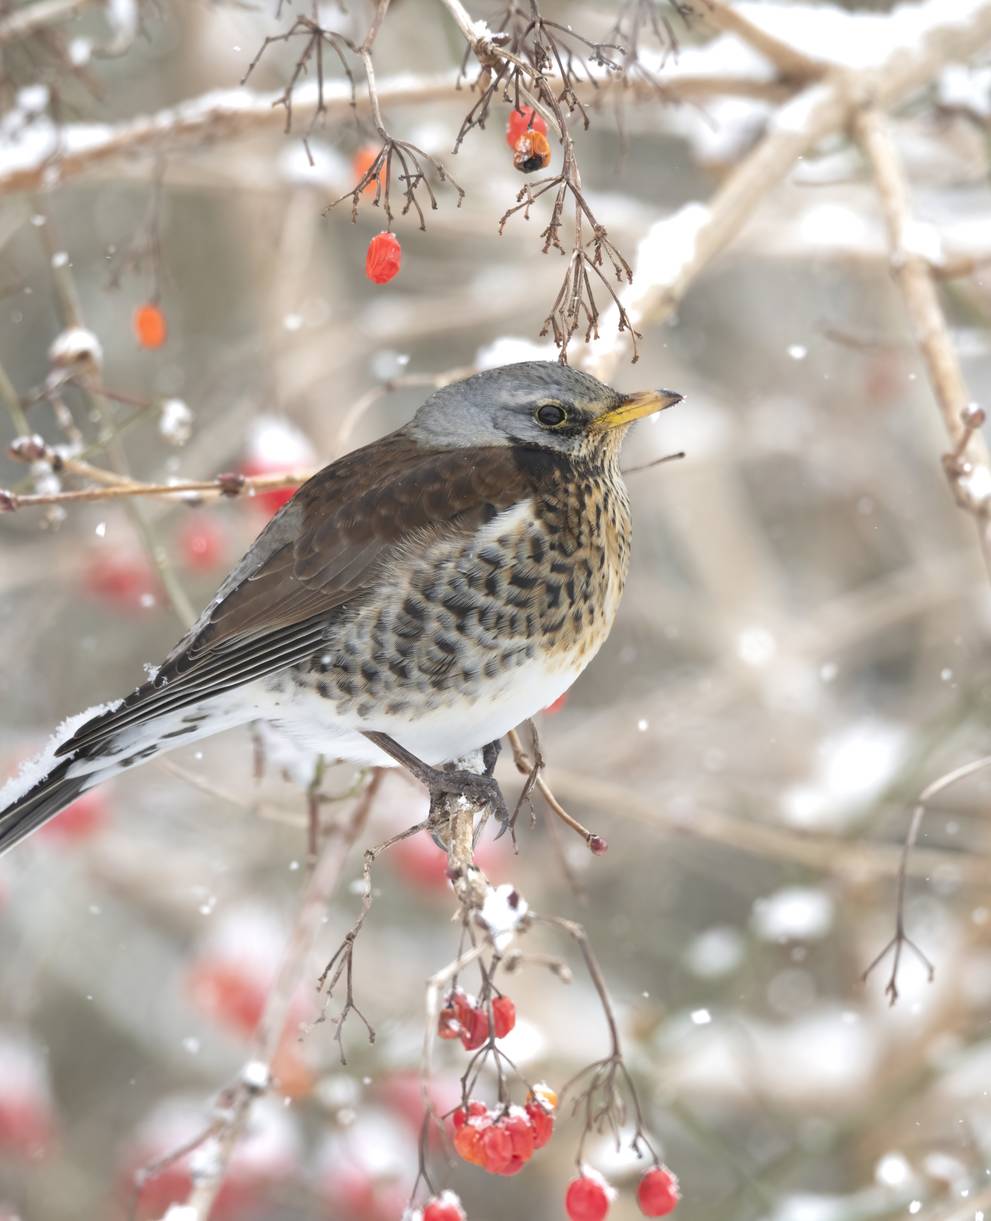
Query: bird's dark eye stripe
x,y
550,414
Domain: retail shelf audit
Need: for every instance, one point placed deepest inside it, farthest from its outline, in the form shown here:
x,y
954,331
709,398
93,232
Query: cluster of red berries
x,y
526,135
462,1018
589,1196
502,1139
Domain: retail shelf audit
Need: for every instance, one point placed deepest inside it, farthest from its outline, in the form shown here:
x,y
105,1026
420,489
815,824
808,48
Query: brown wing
x,y
322,552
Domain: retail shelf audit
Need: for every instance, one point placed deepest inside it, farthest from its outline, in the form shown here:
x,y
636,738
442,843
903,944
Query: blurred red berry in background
x,y
150,328
383,258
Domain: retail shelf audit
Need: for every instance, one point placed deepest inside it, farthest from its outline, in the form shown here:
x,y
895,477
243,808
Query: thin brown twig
x,y
968,465
900,940
532,769
341,961
254,1081
229,485
602,1100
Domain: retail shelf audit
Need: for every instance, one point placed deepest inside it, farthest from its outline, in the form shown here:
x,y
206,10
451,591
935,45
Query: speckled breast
x,y
532,595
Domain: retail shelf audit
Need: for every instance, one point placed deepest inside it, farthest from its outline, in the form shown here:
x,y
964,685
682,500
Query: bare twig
x,y
228,485
671,258
968,465
533,770
901,940
30,18
601,1100
272,1028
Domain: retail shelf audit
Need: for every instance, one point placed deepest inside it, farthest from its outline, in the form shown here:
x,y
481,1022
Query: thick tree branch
x,y
231,114
30,18
679,248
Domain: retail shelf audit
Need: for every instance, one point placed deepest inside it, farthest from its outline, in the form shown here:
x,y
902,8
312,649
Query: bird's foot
x,y
444,783
481,790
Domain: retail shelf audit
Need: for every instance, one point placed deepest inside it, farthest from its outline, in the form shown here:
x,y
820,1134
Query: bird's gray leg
x,y
441,782
490,755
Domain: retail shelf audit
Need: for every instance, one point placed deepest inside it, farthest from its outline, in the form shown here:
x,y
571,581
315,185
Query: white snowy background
x,y
801,650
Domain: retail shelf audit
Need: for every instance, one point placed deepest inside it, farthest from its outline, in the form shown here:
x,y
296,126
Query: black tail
x,y
40,803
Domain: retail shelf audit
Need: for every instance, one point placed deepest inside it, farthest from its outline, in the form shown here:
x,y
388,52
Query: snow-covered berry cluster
x,y
502,1139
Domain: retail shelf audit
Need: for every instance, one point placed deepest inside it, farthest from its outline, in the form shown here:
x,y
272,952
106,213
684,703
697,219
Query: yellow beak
x,y
635,407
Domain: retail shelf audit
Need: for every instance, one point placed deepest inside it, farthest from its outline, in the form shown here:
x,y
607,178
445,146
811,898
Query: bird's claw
x,y
481,790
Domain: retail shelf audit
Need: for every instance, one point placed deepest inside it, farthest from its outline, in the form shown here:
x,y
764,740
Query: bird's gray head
x,y
537,404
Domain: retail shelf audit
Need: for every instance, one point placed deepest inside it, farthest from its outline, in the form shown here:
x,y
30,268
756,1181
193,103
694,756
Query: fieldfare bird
x,y
412,603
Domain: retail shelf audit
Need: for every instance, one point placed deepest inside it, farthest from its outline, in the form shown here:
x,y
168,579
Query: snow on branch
x,y
940,32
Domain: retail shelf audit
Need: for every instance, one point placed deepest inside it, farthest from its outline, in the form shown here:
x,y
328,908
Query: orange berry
x,y
383,257
543,1094
150,327
363,161
531,152
468,1142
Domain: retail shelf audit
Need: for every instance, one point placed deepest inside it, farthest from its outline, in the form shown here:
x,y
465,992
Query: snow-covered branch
x,y
678,248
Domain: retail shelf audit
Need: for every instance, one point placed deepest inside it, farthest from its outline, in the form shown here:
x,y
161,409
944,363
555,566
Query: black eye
x,y
550,415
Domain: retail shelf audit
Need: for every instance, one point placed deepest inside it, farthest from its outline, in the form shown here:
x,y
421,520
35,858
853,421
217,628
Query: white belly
x,y
436,736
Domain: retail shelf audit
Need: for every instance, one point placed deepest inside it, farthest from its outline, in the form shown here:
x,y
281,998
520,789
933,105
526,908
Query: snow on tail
x,y
45,785
41,803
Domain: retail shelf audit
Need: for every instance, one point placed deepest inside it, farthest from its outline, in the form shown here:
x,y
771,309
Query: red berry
x,y
445,1207
475,1109
269,502
228,993
556,705
587,1198
521,1133
383,258
521,121
150,327
503,1016
124,578
497,1149
468,1140
597,845
542,1122
658,1193
474,1029
80,819
201,542
448,1024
